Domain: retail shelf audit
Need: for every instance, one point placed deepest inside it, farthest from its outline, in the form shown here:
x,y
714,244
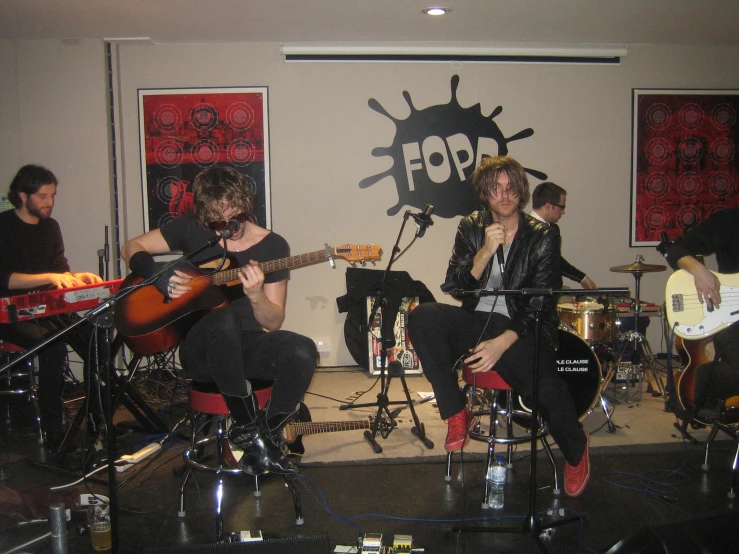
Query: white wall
x,y
322,136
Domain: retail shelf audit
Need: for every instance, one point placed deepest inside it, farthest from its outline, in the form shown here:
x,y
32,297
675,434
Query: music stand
x,y
384,421
533,524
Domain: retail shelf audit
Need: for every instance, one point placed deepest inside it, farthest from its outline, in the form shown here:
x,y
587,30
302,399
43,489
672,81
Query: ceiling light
x,y
436,11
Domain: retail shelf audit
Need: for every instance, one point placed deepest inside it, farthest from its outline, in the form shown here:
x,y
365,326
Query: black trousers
x,y
718,380
217,349
443,334
52,360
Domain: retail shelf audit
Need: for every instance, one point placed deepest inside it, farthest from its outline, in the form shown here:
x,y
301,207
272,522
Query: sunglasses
x,y
221,225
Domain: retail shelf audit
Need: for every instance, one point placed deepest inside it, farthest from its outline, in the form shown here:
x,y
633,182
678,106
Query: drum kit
x,y
591,336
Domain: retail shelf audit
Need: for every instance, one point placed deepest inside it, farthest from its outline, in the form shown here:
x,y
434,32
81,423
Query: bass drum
x,y
579,367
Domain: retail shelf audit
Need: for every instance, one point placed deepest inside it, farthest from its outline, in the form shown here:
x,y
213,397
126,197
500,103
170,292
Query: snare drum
x,y
580,368
588,319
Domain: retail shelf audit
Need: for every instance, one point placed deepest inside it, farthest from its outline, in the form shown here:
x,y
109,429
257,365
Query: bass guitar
x,y
148,324
689,317
692,354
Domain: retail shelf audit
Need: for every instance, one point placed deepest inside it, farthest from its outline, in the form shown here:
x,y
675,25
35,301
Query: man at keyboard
x,y
31,258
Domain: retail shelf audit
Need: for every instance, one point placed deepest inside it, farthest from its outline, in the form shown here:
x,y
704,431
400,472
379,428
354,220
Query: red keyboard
x,y
52,302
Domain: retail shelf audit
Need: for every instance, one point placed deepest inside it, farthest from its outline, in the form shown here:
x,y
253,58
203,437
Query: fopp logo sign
x,y
436,149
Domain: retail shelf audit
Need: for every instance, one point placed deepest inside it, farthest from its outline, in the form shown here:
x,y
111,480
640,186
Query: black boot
x,y
251,434
277,423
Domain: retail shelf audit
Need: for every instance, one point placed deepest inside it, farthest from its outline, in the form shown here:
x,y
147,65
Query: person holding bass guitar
x,y
242,341
718,379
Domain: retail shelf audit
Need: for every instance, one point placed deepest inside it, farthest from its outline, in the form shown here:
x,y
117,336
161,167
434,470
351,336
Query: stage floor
x,y
654,487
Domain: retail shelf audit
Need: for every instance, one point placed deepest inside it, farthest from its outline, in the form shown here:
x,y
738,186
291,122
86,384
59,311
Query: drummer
x,y
549,202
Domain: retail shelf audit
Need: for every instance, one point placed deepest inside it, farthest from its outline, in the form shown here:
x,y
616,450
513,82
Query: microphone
x,y
501,261
231,229
423,220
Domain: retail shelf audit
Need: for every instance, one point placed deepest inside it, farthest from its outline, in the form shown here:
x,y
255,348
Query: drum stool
x,y
728,422
208,407
486,402
12,375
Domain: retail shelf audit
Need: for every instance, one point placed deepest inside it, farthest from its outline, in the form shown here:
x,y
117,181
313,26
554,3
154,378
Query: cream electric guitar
x,y
690,318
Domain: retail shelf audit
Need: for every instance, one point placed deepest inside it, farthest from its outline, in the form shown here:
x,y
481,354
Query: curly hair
x,y
29,179
216,189
485,179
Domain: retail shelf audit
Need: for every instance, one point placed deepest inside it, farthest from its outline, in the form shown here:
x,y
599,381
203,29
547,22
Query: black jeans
x,y
52,360
719,379
443,334
218,349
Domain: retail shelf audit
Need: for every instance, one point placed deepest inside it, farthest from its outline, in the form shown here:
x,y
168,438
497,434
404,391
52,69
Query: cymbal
x,y
638,267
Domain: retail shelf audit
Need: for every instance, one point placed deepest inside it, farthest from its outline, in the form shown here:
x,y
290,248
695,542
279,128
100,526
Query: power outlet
x,y
323,345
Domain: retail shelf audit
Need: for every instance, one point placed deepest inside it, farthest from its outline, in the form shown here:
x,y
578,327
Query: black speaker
x,y
316,544
715,534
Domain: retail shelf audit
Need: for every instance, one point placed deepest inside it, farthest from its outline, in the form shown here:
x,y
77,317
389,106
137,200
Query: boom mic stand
x,y
384,421
101,318
533,524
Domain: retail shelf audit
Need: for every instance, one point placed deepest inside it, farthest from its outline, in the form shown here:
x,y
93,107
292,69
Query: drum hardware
x,y
641,352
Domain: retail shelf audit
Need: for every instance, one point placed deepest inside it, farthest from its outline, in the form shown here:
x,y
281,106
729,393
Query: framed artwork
x,y
403,350
684,160
183,131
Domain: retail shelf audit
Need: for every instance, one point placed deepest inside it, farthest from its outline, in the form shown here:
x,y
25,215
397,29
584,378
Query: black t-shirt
x,y
28,248
719,234
186,234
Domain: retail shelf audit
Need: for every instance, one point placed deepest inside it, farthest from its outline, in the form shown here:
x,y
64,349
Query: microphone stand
x,y
384,421
101,317
533,524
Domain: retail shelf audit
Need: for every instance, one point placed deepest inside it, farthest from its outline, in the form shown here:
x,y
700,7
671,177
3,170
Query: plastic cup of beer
x,y
98,518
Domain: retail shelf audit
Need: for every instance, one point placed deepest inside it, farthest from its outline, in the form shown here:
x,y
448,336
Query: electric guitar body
x,y
689,318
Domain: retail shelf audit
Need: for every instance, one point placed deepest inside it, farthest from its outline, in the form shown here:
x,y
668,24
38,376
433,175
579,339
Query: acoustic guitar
x,y
148,324
690,318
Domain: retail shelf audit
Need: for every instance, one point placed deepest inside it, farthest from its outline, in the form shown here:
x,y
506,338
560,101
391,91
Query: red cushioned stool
x,y
208,407
27,372
483,397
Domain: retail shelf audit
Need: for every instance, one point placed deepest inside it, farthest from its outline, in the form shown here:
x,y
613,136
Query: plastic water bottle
x,y
496,483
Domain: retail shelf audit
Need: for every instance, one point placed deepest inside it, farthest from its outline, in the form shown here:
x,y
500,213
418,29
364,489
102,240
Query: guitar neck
x,y
302,260
313,427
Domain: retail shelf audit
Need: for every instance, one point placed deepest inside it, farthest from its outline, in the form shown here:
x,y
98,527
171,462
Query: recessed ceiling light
x,y
436,11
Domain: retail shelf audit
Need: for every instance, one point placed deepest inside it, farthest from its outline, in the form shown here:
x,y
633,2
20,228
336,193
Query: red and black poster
x,y
184,131
684,160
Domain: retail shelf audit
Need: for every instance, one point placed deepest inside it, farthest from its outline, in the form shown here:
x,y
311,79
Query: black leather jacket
x,y
533,262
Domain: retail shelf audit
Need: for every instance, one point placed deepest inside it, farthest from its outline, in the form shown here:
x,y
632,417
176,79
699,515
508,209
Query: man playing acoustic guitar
x,y
719,234
243,341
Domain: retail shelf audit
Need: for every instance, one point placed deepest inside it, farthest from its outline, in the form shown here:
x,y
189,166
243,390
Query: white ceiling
x,y
616,22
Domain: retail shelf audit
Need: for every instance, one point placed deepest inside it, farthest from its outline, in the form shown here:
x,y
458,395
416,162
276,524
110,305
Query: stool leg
x,y
220,433
194,420
545,443
257,490
707,449
448,475
296,501
181,512
734,468
509,425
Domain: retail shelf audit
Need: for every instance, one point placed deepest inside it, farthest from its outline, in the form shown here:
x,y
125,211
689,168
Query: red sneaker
x,y
576,477
457,437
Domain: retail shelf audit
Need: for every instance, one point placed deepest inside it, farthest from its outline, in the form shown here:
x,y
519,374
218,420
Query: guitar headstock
x,y
361,253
